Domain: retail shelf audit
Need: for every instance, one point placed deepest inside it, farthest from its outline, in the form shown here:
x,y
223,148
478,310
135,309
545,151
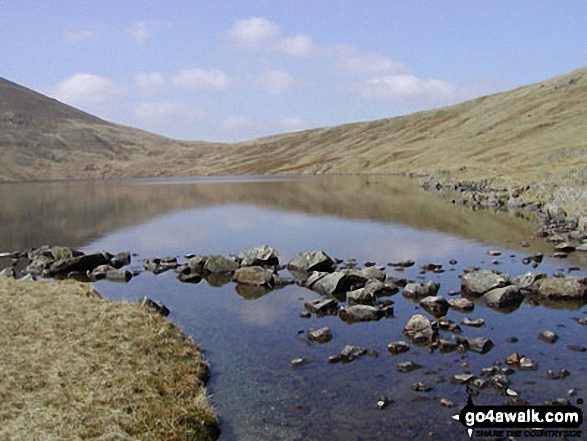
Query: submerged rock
x,y
254,276
359,313
158,307
564,288
418,291
435,305
502,298
461,304
350,353
322,307
322,335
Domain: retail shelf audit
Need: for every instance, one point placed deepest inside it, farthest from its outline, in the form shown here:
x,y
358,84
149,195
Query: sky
x,y
224,70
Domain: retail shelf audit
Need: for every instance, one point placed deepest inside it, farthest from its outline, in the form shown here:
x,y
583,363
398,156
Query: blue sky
x,y
234,70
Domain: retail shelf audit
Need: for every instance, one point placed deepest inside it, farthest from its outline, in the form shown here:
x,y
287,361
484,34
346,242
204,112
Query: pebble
x,y
446,403
421,387
477,323
299,362
383,402
494,253
408,366
398,347
548,336
512,339
577,348
462,378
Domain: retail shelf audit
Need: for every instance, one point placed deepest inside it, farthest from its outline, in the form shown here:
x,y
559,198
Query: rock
x,y
110,273
311,261
299,362
461,304
564,247
196,263
158,307
577,348
502,298
189,277
548,336
334,284
398,347
477,283
494,253
407,366
120,259
380,289
254,276
156,266
419,329
529,282
383,402
360,297
564,288
371,273
221,279
421,387
446,346
582,321
462,378
446,403
527,364
480,345
279,281
477,323
220,264
359,313
81,264
403,264
348,354
435,305
418,291
322,335
448,325
259,256
8,272
322,307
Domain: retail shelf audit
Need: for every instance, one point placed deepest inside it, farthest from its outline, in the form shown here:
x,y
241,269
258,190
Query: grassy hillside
x,y
533,132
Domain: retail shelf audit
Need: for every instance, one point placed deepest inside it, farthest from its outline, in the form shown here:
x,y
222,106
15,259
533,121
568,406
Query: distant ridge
x,y
528,133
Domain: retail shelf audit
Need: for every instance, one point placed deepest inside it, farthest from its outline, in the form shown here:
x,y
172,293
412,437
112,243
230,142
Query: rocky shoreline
x,y
354,294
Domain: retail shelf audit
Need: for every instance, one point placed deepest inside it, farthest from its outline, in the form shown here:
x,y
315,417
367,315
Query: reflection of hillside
x,y
75,213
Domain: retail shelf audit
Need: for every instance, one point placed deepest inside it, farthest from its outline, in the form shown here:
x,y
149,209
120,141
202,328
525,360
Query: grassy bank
x,y
77,366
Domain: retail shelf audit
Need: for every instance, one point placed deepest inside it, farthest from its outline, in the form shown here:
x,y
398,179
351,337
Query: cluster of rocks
x,y
566,231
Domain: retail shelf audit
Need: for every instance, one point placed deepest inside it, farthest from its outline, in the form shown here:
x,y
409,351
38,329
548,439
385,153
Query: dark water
x,y
250,342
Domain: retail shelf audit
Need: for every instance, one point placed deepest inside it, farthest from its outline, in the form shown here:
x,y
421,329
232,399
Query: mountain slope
x,y
528,133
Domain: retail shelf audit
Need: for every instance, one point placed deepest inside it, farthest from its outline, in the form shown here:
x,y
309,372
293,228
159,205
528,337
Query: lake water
x,y
250,342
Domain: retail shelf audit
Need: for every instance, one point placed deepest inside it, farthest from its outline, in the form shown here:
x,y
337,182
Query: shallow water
x,y
250,342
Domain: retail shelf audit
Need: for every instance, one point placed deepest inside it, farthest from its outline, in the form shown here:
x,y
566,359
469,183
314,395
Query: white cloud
x,y
240,123
260,34
408,86
79,35
149,83
254,33
141,31
87,90
350,60
298,45
158,113
200,79
294,124
278,82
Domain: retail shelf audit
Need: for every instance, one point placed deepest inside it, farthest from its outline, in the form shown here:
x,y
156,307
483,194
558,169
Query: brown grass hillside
x,y
527,133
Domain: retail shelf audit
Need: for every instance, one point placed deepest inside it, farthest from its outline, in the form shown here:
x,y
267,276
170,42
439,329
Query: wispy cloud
x,y
203,80
142,31
278,82
294,124
148,84
260,34
87,90
349,59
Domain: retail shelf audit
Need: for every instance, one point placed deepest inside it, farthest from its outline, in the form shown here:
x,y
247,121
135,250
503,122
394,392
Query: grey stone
x,y
461,304
380,289
311,261
407,366
419,329
8,272
359,313
548,336
82,264
334,284
477,283
322,335
506,297
435,305
480,345
529,281
418,291
398,347
348,354
254,276
563,288
158,307
220,264
259,256
120,259
322,307
477,323
360,297
299,362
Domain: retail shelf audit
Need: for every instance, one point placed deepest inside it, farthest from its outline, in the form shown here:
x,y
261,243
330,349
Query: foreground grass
x,y
76,366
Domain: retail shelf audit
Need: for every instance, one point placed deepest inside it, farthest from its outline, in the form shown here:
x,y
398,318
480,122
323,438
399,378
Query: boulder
x,y
563,288
380,289
503,298
359,313
158,307
529,281
360,297
110,273
259,256
220,264
121,259
435,305
322,307
196,263
419,329
311,261
477,283
461,304
480,345
82,264
8,272
254,275
417,291
334,284
322,335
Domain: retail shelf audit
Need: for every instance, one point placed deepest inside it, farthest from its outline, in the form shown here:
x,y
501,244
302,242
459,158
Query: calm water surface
x,y
250,342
